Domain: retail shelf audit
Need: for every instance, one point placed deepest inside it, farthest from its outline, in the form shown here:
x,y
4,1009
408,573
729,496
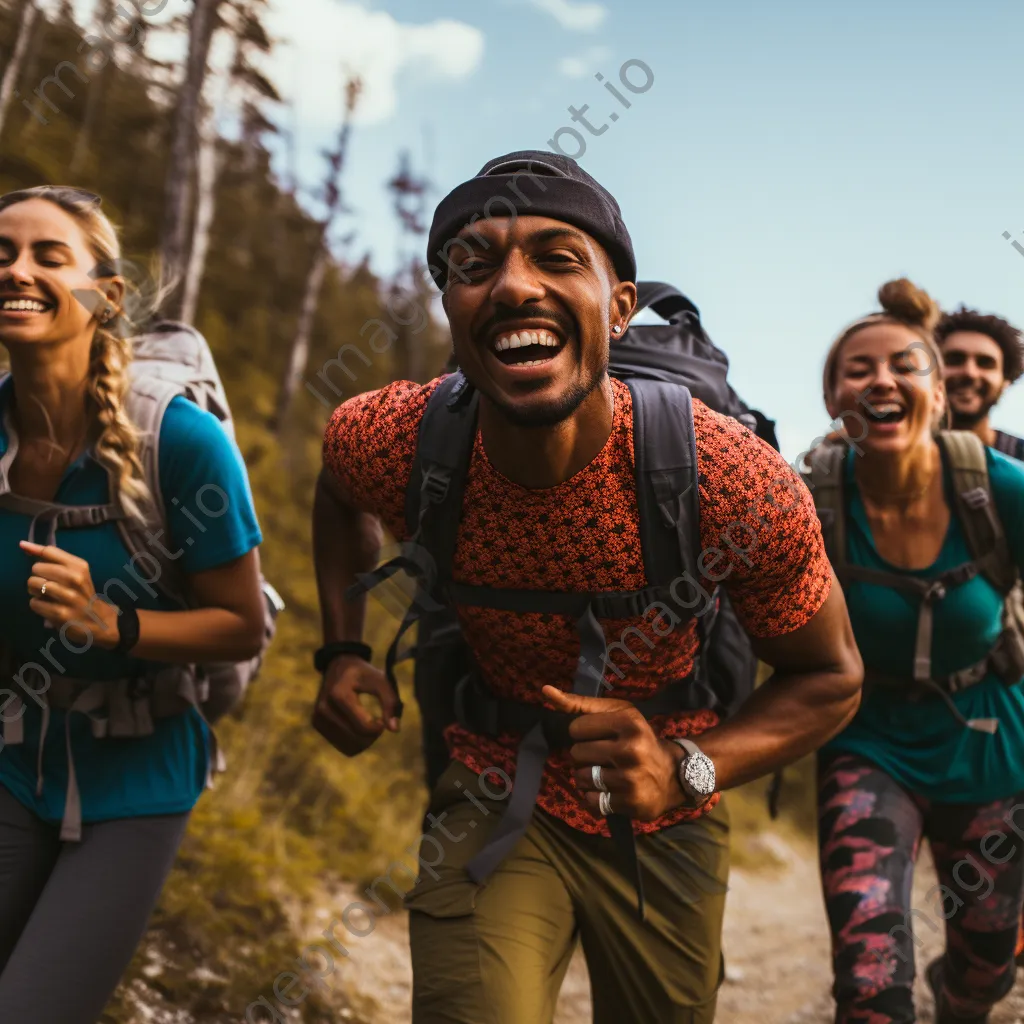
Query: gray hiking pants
x,y
71,914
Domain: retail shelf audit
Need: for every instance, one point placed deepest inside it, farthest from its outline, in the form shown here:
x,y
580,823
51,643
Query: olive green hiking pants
x,y
497,953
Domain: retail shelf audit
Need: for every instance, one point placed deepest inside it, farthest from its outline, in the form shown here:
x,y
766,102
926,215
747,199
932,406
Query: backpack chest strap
x,y
58,517
930,591
478,709
626,604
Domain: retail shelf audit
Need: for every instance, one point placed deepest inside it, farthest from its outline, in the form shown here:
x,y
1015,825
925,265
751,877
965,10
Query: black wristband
x,y
326,654
127,629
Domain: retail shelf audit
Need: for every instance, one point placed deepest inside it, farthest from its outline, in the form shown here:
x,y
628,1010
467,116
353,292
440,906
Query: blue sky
x,y
788,158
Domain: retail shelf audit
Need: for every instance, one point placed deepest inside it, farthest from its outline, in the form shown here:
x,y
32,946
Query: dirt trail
x,y
776,945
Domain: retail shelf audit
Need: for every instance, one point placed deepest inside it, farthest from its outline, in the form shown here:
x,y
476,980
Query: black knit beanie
x,y
531,183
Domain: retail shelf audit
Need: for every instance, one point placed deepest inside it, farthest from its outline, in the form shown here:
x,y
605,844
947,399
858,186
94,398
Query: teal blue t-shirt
x,y
123,778
921,744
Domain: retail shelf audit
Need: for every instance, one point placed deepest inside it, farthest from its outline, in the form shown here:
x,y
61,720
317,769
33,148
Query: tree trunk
x,y
83,141
207,170
206,183
300,346
299,353
178,190
13,69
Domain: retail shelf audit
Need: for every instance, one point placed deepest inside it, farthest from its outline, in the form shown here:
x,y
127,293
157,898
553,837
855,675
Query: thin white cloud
x,y
332,39
575,15
583,65
319,43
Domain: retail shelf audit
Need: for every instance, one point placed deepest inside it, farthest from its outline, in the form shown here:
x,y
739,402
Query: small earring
x,y
616,329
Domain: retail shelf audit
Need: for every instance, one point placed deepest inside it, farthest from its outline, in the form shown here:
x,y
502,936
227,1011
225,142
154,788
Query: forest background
x,y
281,285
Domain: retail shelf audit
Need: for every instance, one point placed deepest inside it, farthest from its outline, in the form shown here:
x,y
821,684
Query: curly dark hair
x,y
1001,331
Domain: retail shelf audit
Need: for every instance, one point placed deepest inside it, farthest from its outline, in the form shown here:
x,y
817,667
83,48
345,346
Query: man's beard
x,y
552,413
969,420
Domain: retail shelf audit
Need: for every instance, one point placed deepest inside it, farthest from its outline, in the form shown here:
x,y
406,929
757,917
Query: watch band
x,y
689,746
127,628
326,654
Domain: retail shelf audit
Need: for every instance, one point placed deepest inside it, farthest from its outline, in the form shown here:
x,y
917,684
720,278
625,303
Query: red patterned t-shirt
x,y
759,532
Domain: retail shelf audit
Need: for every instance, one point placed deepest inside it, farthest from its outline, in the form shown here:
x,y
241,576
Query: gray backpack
x,y
172,359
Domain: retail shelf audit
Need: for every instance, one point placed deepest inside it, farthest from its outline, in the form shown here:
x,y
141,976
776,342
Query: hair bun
x,y
904,301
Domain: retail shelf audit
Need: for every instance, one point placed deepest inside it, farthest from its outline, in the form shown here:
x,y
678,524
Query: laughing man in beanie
x,y
582,795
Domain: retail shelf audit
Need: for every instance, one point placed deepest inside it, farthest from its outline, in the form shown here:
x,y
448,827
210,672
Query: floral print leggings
x,y
870,830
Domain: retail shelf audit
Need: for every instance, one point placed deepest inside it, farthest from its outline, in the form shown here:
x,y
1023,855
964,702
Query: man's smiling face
x,y
975,378
531,302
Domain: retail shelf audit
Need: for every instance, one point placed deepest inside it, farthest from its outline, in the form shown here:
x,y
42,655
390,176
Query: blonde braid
x,y
117,443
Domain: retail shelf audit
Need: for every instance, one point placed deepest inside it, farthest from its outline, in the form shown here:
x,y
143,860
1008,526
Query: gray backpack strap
x,y
146,402
433,498
668,496
665,453
986,537
975,507
826,485
433,504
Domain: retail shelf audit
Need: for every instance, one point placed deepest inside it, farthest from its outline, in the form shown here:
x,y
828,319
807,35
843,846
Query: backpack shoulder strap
x,y
146,402
1009,445
433,497
665,453
7,458
964,454
826,485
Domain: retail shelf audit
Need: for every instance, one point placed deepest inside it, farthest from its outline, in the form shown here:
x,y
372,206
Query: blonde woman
x,y
936,749
72,913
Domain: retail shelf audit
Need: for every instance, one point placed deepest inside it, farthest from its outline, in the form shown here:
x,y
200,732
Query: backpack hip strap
x,y
121,708
936,688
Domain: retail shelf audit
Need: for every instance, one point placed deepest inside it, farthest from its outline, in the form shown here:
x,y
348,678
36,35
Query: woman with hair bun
x,y
936,749
73,909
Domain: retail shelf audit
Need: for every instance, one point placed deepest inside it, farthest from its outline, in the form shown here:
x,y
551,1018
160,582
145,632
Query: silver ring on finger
x,y
42,590
595,775
604,802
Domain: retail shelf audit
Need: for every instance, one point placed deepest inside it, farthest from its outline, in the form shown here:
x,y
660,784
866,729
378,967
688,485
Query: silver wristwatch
x,y
696,773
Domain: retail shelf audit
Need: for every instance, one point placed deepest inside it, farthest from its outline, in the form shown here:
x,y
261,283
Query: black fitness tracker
x,y
326,654
127,629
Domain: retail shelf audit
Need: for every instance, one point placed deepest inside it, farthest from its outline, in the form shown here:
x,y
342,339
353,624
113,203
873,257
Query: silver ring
x,y
595,775
604,802
42,590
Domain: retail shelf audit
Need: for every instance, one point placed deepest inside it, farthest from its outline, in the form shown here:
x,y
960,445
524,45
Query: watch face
x,y
699,773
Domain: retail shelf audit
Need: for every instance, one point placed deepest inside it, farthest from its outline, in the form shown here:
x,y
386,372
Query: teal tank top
x,y
920,743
